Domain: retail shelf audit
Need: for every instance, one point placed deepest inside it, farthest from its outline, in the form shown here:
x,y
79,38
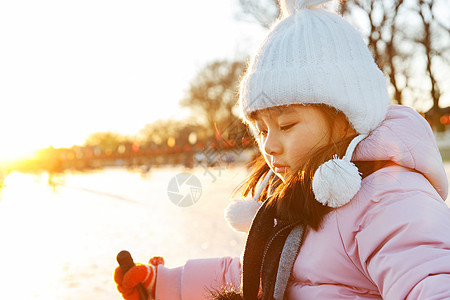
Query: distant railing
x,y
132,154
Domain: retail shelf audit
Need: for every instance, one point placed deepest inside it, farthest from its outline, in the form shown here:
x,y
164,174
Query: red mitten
x,y
140,273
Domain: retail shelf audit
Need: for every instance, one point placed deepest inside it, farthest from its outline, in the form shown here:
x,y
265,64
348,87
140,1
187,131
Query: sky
x,y
72,68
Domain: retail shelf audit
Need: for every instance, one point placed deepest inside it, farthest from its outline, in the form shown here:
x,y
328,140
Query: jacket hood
x,y
406,138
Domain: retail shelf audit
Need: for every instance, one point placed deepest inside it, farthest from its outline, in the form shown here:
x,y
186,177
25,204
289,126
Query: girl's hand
x,y
140,273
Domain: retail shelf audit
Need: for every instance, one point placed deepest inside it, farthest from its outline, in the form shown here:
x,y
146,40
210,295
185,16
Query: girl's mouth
x,y
280,169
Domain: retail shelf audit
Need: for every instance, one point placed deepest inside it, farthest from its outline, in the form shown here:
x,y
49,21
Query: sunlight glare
x,y
17,153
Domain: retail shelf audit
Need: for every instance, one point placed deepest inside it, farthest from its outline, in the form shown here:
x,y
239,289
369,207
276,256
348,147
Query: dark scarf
x,y
266,262
271,249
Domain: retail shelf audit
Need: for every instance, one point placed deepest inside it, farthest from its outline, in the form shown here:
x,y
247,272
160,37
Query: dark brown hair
x,y
294,198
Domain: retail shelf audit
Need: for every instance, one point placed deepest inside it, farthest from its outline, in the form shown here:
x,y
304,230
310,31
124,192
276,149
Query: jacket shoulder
x,y
394,229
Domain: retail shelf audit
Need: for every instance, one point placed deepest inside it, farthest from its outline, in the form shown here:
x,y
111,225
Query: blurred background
x,y
103,103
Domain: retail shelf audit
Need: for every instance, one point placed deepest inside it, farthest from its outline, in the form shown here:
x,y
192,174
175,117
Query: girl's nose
x,y
272,145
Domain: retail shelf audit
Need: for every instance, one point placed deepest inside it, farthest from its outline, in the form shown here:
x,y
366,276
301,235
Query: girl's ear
x,y
350,131
342,128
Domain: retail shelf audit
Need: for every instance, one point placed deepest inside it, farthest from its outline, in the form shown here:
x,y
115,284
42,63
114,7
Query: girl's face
x,y
289,134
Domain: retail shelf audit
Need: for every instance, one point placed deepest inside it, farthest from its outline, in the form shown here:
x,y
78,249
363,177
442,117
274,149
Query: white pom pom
x,y
336,182
290,7
239,213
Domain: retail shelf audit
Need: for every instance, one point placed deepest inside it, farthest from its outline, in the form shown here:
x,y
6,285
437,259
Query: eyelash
x,y
282,128
287,127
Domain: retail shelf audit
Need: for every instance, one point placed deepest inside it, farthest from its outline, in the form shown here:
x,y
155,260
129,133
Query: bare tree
x,y
383,35
212,95
265,12
434,49
392,52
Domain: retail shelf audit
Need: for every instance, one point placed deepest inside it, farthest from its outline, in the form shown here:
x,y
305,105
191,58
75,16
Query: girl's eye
x,y
287,127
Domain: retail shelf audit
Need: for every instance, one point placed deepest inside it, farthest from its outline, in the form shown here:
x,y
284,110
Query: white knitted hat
x,y
313,56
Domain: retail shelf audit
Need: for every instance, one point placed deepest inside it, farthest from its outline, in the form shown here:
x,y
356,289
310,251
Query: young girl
x,y
347,200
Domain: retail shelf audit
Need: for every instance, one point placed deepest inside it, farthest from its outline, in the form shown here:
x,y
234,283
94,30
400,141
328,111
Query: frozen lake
x,y
60,242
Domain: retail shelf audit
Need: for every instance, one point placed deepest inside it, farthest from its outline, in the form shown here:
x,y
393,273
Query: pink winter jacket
x,y
392,241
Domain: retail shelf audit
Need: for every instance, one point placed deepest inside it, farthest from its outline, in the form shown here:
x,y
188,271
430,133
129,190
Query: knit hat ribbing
x,y
312,56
